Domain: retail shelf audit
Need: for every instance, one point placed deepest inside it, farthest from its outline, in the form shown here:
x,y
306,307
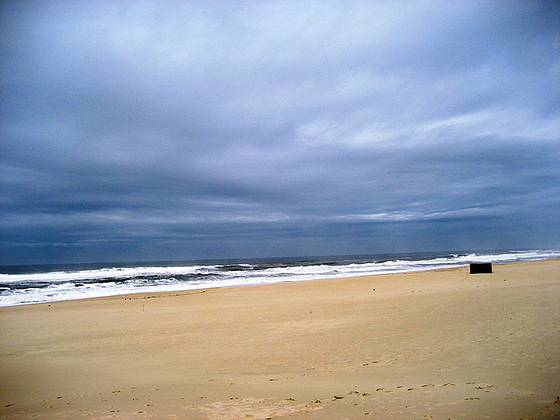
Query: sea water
x,y
35,284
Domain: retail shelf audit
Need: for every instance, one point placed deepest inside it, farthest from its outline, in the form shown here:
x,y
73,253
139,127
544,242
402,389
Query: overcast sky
x,y
159,130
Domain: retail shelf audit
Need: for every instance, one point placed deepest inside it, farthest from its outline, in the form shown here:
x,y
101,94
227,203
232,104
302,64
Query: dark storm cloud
x,y
191,129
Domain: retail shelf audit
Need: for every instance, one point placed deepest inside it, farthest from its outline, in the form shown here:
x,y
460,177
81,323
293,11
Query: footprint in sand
x,y
484,387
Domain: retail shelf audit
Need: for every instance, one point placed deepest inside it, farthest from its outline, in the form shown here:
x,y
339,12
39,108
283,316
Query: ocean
x,y
31,284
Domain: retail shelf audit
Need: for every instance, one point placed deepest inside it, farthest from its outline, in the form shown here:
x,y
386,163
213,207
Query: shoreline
x,y
439,343
100,280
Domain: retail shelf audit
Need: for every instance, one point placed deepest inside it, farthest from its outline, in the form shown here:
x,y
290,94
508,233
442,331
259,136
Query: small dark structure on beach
x,y
478,268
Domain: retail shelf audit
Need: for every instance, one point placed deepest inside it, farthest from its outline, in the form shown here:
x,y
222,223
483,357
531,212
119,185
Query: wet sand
x,y
437,344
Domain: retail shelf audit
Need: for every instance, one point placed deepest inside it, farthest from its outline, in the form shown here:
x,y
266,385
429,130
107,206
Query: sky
x,y
167,130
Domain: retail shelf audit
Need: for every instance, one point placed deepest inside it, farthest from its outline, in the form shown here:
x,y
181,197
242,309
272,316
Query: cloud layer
x,y
165,130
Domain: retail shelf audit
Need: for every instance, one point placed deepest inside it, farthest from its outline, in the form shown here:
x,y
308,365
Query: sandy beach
x,y
437,344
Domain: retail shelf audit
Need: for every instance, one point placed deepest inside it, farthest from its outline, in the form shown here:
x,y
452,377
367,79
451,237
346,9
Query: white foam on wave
x,y
103,273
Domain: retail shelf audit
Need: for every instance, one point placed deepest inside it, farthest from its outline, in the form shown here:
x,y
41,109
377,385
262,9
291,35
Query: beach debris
x,y
480,268
337,397
316,401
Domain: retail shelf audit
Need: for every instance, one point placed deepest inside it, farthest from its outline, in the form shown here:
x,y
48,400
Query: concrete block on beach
x,y
481,268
